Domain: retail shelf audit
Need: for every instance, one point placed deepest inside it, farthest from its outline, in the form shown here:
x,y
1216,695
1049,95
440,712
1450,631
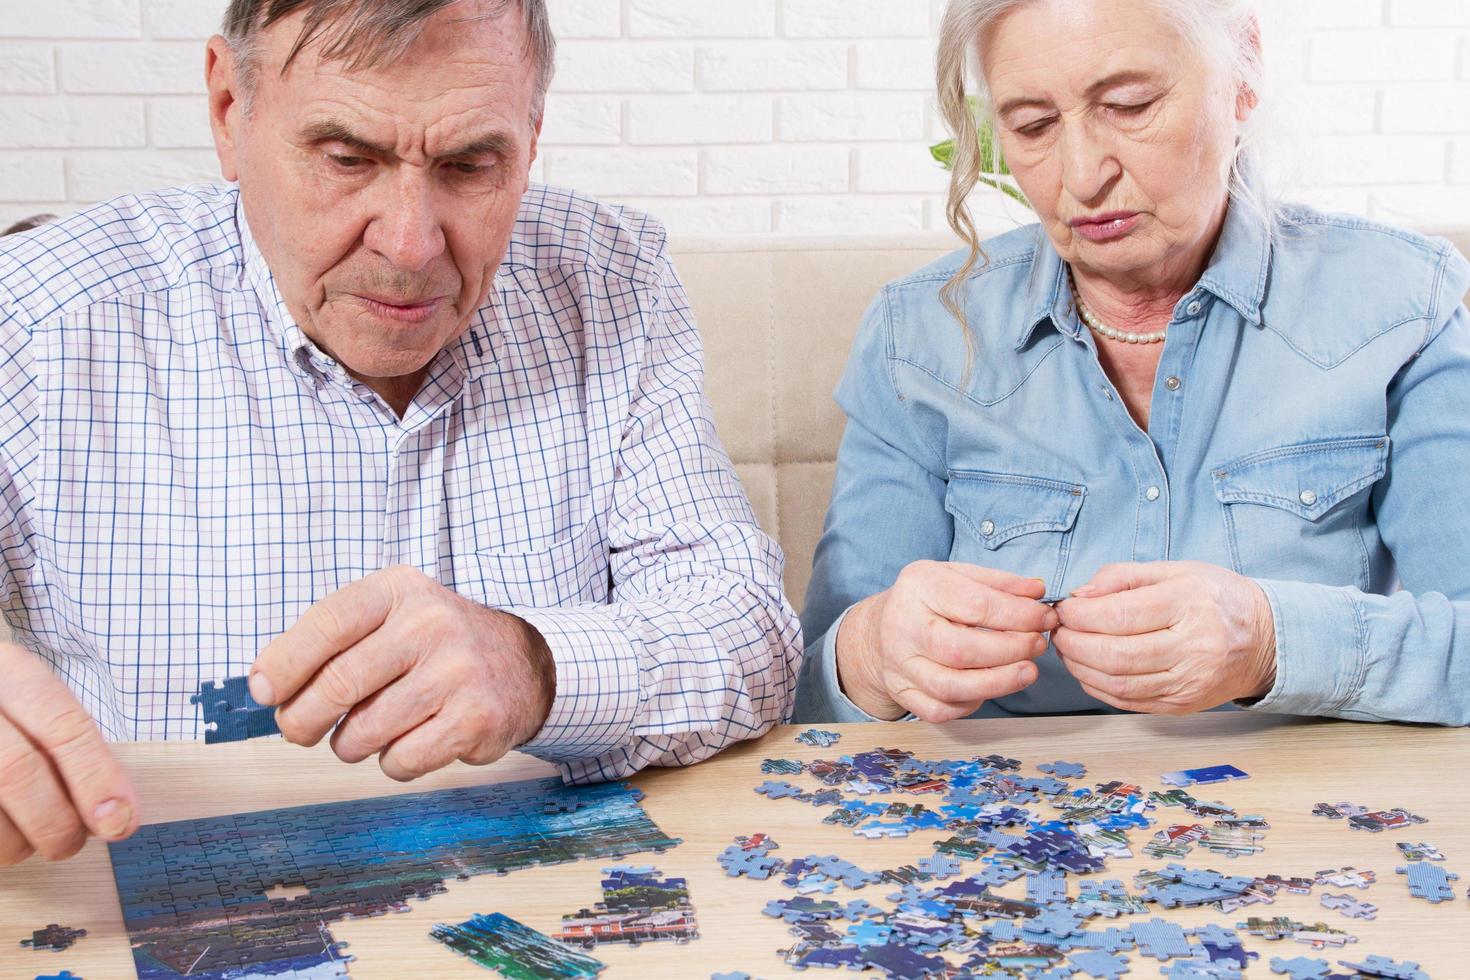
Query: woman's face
x,y
1116,131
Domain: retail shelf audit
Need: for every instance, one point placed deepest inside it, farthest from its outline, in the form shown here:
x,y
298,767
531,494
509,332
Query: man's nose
x,y
407,230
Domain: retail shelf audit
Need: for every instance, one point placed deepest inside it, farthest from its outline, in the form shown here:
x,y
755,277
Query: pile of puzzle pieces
x,y
947,919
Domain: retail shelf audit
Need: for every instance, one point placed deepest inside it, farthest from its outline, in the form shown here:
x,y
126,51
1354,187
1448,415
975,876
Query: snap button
x,y
1308,498
1173,384
987,528
1194,307
1153,493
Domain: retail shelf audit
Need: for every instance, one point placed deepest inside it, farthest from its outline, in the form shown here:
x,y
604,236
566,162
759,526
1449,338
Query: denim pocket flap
x,y
1307,479
997,507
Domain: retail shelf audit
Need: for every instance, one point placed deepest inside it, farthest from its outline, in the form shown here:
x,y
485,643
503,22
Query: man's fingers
x,y
1118,656
932,710
429,747
960,599
44,711
14,848
34,798
343,682
1121,576
967,648
384,717
326,629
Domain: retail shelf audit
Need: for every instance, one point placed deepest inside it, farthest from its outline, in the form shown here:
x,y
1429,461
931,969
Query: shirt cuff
x,y
597,689
1321,651
819,696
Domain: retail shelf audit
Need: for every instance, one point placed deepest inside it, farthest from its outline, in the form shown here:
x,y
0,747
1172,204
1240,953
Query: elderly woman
x,y
1173,448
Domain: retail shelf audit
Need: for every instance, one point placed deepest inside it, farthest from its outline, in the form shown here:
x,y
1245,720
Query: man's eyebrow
x,y
496,144
1102,84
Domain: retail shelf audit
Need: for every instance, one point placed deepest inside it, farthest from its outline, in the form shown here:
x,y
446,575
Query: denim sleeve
x,y
887,510
1405,656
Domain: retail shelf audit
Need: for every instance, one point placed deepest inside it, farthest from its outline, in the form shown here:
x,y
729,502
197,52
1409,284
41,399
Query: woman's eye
x,y
1035,128
1134,109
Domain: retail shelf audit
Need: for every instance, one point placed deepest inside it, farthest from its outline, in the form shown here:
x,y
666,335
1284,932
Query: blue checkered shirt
x,y
183,473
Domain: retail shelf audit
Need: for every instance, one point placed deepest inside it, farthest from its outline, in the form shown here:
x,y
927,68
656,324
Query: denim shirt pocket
x,y
1297,512
1018,524
568,569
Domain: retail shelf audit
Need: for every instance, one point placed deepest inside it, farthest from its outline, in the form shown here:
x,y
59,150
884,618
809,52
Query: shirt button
x,y
1308,498
1173,384
1194,307
987,528
1153,493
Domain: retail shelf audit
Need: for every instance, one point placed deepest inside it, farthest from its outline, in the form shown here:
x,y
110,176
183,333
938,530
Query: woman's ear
x,y
1246,97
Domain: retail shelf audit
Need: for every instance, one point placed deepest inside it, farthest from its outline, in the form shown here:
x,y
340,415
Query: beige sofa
x,y
778,316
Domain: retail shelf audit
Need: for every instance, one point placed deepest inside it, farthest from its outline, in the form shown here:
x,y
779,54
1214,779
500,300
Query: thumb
x,y
1124,576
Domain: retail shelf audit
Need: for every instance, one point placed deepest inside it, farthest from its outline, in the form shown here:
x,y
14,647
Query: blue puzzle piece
x,y
1429,882
1203,776
900,961
234,714
777,790
756,863
1064,770
1382,966
1301,967
828,957
1096,963
1161,940
817,738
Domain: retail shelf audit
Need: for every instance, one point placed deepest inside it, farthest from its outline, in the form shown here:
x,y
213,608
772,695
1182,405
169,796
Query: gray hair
x,y
1224,32
369,32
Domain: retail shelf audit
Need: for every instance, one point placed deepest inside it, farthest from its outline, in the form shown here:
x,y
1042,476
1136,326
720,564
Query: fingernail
x,y
1085,592
113,818
261,690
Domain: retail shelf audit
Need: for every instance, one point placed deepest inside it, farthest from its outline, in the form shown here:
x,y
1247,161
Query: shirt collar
x,y
1237,273
303,355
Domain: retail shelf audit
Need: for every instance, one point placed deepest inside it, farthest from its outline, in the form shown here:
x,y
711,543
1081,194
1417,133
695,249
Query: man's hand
x,y
423,675
1168,637
942,640
59,782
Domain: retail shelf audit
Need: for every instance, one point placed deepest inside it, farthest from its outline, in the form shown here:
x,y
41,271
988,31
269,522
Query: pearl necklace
x,y
1102,329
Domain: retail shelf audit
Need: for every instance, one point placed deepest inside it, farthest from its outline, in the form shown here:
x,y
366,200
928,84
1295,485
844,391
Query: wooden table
x,y
1294,764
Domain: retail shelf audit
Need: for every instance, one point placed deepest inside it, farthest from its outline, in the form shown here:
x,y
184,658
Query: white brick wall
x,y
743,115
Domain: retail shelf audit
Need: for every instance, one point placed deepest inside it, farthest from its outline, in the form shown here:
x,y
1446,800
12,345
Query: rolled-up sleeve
x,y
697,646
887,510
1405,656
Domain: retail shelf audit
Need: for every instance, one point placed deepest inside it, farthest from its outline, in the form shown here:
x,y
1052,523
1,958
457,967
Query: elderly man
x,y
429,441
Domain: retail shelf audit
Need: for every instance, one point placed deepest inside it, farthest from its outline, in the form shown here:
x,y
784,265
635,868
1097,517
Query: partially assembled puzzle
x,y
200,897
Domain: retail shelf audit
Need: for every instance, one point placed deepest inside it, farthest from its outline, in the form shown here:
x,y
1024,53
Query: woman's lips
x,y
1106,227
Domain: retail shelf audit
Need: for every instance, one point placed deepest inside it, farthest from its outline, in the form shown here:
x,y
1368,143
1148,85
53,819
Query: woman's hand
x,y
1168,637
943,640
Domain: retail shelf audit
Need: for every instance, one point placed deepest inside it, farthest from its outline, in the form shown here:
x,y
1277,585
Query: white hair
x,y
1226,33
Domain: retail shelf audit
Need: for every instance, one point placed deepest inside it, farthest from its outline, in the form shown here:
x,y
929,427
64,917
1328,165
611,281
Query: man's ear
x,y
226,103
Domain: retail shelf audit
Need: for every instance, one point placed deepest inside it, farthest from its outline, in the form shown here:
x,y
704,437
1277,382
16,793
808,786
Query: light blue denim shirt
x,y
1310,429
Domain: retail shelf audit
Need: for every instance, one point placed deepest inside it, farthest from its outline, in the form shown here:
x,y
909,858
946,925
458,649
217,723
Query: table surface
x,y
1294,764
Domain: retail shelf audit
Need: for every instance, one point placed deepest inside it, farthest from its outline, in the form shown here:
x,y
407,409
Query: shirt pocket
x,y
569,569
1018,524
1297,512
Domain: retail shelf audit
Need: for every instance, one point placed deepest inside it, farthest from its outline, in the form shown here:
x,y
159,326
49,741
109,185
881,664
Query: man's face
x,y
383,198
